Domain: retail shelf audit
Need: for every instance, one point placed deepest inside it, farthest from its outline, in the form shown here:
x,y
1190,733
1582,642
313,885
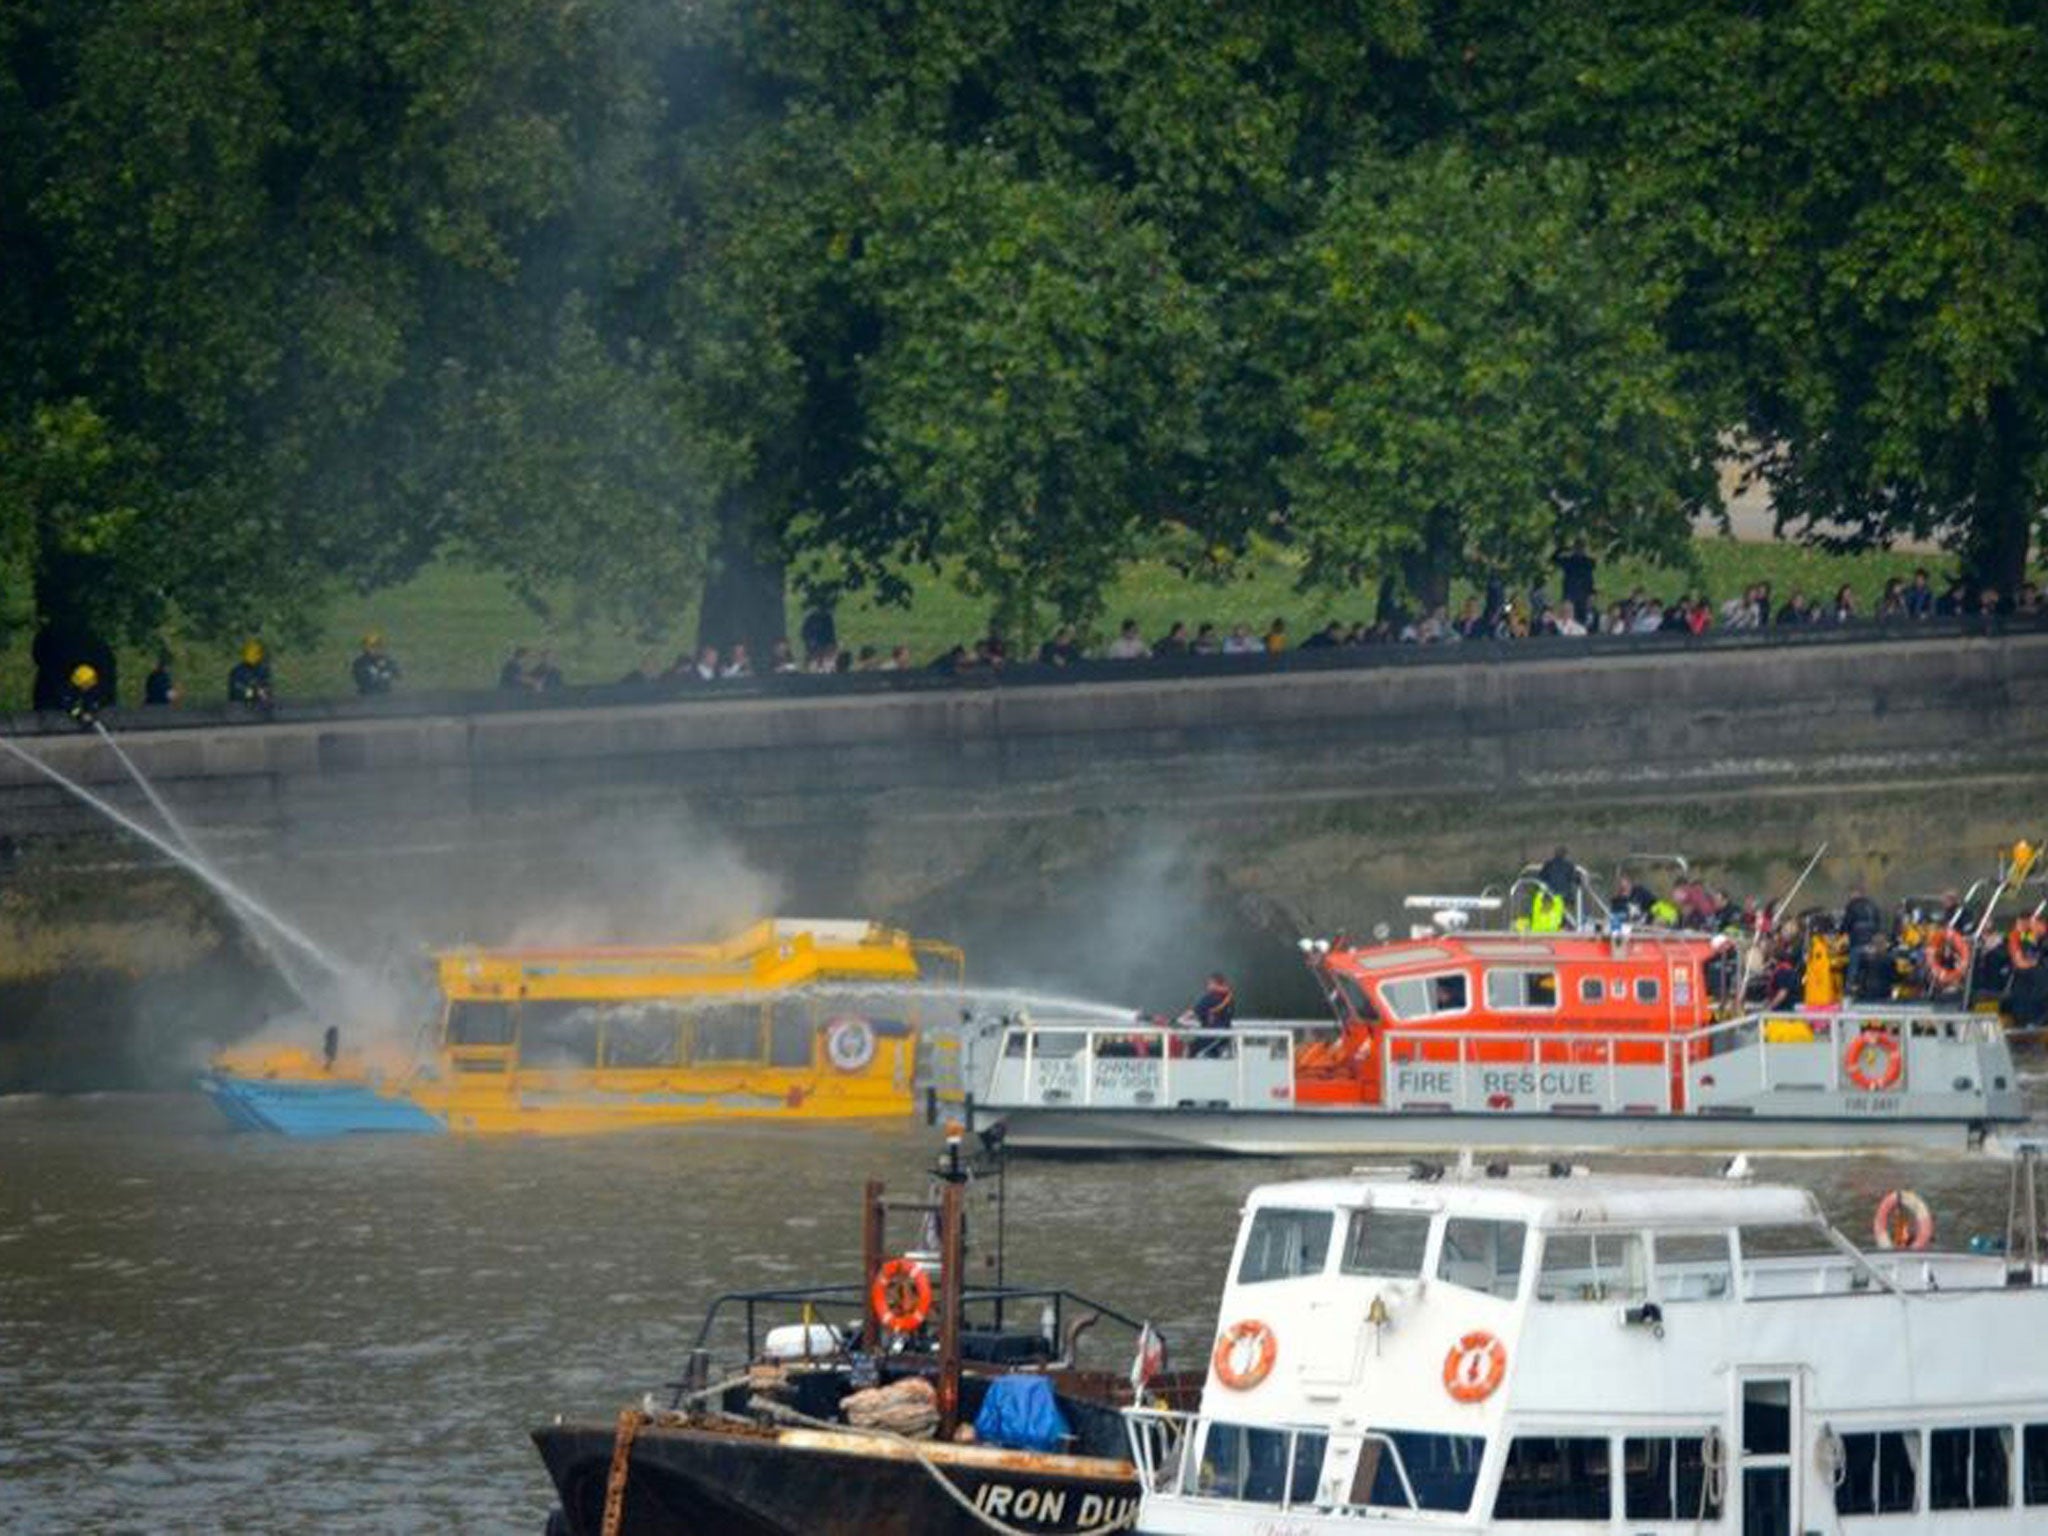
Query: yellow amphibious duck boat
x,y
789,1019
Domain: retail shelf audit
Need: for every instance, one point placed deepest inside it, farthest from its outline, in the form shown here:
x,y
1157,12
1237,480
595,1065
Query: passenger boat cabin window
x,y
1483,1256
1442,1469
1284,1244
1422,997
1309,1449
1646,989
1665,1478
727,1032
480,1024
1549,1478
1693,1266
1969,1468
1589,989
792,1034
1240,1462
1386,1243
1592,1266
559,1034
1521,991
2034,1465
1880,1473
643,1035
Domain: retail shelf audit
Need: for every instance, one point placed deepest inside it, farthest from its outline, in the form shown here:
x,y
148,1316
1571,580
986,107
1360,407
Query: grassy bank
x,y
452,625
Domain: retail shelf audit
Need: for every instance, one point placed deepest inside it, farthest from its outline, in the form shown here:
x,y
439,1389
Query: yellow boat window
x,y
792,1033
643,1035
480,1024
559,1034
727,1032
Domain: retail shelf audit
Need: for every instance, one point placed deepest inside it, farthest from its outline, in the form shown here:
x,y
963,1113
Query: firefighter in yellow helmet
x,y
374,669
249,680
84,695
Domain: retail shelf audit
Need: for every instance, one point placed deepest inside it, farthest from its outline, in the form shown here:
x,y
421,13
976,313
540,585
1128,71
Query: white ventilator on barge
x,y
1575,1354
1635,1039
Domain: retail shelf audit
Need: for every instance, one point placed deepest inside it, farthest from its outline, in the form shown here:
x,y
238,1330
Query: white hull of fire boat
x,y
1360,1132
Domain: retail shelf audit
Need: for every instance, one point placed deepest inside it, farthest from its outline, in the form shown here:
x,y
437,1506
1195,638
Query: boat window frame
x,y
1912,1439
1251,1225
1610,1293
1556,990
1609,1483
1521,1270
1674,1474
1356,1215
1390,1441
1430,981
1731,1289
1592,990
1647,990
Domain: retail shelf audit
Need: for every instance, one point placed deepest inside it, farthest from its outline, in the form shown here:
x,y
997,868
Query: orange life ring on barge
x,y
1903,1220
1878,1074
1265,1350
1474,1367
1948,958
2023,941
901,1295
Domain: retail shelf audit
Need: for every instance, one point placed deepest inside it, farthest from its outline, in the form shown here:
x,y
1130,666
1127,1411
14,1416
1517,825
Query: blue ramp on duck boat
x,y
315,1109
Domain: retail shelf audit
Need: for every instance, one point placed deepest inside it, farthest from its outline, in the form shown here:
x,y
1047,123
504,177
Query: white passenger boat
x,y
1561,1041
1514,1351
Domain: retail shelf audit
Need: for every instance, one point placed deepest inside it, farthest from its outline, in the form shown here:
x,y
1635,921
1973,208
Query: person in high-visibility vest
x,y
1546,911
1820,988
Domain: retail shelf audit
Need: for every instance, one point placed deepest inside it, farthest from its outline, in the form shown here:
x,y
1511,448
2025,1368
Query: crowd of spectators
x,y
1503,614
1500,613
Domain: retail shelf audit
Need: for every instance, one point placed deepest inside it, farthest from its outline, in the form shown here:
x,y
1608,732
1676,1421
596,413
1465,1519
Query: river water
x,y
202,1331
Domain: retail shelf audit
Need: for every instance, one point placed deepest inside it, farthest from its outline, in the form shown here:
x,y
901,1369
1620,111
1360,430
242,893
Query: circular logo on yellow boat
x,y
849,1043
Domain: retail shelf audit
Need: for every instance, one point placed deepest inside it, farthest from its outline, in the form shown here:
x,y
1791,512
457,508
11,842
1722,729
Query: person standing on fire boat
x,y
1215,1009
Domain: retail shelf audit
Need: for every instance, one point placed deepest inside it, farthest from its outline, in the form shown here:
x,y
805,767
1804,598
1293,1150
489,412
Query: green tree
x,y
1848,199
324,292
1480,373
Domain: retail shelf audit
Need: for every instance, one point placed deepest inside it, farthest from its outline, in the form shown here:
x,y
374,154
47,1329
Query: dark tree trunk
x,y
744,588
66,634
1995,554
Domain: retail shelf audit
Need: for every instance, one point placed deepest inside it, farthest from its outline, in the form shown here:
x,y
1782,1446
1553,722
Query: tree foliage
x,y
622,295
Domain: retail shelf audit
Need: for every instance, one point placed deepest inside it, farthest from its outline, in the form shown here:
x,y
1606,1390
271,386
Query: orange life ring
x,y
1874,1076
901,1295
1474,1367
1265,1349
2023,941
1903,1220
1948,958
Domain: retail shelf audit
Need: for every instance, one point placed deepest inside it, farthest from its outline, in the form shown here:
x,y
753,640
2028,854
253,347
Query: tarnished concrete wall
x,y
1113,838
1526,727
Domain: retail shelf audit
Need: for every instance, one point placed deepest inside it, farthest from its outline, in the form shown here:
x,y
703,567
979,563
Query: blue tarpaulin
x,y
1019,1414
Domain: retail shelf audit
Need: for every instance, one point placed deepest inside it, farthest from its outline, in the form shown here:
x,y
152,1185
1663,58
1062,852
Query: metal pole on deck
x,y
872,1216
953,1250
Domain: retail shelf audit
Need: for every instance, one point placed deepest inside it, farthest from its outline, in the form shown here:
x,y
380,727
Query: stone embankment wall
x,y
1507,738
1113,837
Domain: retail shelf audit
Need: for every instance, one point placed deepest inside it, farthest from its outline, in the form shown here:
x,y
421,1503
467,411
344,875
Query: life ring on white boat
x,y
1948,958
901,1295
1874,1061
2023,941
1474,1367
1232,1368
1903,1220
849,1043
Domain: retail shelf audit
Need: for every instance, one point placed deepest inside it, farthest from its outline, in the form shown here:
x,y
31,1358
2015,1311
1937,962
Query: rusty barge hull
x,y
724,1480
